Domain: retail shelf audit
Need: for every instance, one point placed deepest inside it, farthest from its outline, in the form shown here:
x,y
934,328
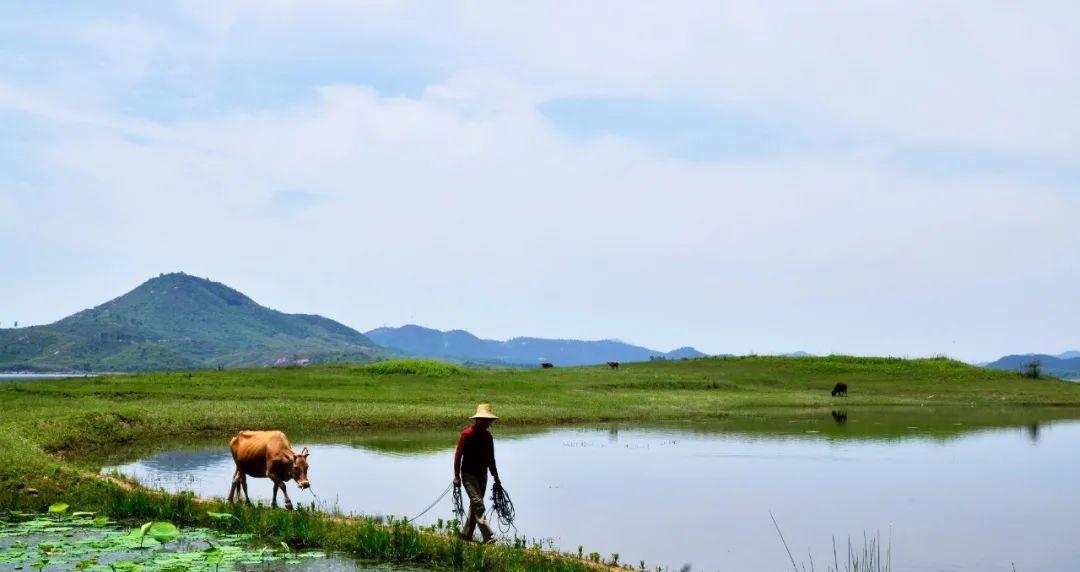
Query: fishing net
x,y
459,508
503,507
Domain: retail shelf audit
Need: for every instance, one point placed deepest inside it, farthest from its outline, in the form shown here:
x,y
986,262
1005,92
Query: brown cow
x,y
267,454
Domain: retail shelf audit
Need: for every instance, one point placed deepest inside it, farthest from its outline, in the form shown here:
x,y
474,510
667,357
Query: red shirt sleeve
x,y
457,452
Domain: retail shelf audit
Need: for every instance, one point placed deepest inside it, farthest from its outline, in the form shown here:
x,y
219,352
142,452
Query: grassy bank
x,y
54,434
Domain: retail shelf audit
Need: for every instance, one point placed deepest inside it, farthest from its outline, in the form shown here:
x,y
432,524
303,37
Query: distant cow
x,y
839,389
267,454
613,364
547,365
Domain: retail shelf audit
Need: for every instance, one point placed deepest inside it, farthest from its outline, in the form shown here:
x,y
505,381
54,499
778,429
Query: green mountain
x,y
177,321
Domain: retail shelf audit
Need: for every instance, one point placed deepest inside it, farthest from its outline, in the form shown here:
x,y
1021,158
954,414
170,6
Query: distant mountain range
x,y
177,321
464,346
1065,364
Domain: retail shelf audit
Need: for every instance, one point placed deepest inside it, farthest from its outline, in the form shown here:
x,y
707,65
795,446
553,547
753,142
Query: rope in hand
x,y
503,507
432,505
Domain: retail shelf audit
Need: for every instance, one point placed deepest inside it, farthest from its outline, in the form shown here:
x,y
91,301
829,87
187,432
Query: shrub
x,y
426,368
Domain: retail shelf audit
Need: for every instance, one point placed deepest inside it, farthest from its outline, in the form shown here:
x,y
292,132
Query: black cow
x,y
613,364
547,365
839,389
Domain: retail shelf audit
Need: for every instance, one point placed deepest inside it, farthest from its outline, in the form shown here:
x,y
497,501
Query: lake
x,y
958,502
29,376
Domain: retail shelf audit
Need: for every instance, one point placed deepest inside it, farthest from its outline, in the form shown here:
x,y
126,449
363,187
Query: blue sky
x,y
895,178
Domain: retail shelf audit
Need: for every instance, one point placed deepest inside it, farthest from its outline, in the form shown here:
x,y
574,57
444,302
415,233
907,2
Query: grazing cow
x,y
839,389
547,365
613,364
267,454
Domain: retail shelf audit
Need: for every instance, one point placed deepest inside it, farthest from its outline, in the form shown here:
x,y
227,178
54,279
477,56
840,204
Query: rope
x,y
503,507
432,505
318,504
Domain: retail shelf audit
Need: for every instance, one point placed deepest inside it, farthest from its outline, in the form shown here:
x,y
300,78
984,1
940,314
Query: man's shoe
x,y
489,540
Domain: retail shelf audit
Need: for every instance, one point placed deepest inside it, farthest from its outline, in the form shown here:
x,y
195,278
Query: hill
x,y
464,346
177,321
1052,365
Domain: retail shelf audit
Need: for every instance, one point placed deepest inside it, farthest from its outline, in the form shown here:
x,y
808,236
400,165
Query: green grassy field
x,y
54,435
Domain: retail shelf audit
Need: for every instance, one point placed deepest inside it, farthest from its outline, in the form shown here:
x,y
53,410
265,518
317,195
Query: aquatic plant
x,y
78,541
163,532
868,559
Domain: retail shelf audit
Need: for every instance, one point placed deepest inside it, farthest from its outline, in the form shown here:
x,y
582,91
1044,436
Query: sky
x,y
875,178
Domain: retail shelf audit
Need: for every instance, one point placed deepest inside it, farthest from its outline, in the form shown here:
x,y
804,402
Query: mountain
x,y
1052,365
177,321
463,346
1068,355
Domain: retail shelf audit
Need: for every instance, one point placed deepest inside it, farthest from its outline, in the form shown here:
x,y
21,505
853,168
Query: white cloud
x,y
462,206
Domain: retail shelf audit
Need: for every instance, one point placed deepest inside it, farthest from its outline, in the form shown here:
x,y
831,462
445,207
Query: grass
x,y
873,557
55,435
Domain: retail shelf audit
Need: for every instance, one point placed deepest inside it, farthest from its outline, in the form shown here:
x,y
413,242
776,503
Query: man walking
x,y
474,457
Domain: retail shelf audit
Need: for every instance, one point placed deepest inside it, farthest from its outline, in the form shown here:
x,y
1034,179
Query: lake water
x,y
29,376
979,501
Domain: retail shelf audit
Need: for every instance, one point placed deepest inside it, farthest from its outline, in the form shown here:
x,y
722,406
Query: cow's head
x,y
300,467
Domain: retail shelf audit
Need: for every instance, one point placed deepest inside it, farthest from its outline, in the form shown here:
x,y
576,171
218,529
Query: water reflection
x,y
974,501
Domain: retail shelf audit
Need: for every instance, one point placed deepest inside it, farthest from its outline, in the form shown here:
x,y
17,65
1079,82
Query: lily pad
x,y
161,531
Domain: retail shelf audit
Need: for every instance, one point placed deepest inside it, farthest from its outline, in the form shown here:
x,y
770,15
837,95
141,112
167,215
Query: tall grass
x,y
869,558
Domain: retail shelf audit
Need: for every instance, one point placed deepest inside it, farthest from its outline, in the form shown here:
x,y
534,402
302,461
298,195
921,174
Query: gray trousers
x,y
475,487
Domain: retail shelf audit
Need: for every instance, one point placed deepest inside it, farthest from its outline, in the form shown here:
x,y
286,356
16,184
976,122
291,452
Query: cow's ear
x,y
304,453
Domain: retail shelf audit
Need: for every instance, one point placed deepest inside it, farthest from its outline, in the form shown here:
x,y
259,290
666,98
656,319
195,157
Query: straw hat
x,y
483,411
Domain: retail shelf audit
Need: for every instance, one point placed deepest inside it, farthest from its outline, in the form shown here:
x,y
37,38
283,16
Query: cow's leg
x,y
285,493
273,500
243,483
235,489
280,484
